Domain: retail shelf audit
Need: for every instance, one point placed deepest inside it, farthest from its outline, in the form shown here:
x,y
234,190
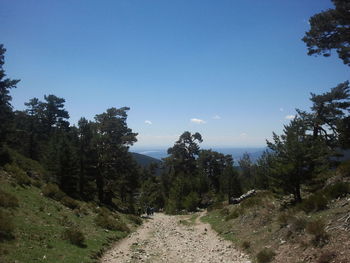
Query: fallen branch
x,y
242,197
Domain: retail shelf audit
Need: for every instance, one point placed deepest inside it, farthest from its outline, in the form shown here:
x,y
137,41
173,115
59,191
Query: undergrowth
x,y
45,225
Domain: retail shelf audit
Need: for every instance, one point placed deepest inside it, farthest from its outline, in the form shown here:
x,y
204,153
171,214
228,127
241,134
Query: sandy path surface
x,y
164,239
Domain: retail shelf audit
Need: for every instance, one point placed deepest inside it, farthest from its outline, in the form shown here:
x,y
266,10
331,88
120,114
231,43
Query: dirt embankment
x,y
164,238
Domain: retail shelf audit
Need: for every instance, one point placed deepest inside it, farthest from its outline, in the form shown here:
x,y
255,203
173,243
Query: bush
x,y
191,202
37,183
65,221
70,202
339,189
225,211
170,207
315,202
297,224
53,191
234,214
317,229
18,174
284,218
257,200
265,256
74,236
106,220
6,226
215,206
8,200
251,202
135,219
27,164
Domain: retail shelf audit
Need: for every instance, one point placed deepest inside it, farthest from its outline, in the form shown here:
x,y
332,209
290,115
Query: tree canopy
x,y
6,85
330,30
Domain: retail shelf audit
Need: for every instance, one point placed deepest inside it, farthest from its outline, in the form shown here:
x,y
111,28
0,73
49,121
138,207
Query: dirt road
x,y
174,239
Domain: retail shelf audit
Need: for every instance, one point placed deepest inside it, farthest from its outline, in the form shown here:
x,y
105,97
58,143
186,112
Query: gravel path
x,y
164,239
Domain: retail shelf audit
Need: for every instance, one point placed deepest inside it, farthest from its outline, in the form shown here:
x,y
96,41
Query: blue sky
x,y
229,69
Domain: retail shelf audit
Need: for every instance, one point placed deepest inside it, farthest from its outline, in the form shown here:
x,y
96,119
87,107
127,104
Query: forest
x,y
90,161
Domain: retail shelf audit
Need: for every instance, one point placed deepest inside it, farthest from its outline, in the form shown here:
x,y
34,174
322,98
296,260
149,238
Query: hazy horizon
x,y
236,152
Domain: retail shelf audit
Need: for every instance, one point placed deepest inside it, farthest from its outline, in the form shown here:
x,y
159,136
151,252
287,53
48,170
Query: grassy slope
x,y
257,226
40,222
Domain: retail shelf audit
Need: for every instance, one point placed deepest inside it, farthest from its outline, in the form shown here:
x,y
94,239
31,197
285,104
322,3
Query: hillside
x,y
144,160
317,230
39,223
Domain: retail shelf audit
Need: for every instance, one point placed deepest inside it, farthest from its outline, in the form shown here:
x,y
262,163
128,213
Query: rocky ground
x,y
164,238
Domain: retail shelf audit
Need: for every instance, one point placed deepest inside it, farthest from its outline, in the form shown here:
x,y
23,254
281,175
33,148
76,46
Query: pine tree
x,y
113,139
330,30
6,114
294,154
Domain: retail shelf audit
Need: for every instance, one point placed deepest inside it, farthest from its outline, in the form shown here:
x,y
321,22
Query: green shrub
x,y
315,202
70,202
74,236
317,229
135,219
257,200
191,202
65,221
170,207
106,220
265,256
225,211
234,214
251,202
8,200
37,183
18,174
106,212
26,164
215,206
6,226
84,210
53,191
339,189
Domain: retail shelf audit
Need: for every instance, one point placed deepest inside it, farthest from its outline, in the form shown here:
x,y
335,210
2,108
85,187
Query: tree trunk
x,y
100,187
297,194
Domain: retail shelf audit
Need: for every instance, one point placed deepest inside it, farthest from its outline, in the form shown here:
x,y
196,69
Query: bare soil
x,y
163,238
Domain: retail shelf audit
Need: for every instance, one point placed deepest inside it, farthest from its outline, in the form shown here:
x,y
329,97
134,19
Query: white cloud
x,y
198,121
148,122
281,109
216,117
243,134
290,117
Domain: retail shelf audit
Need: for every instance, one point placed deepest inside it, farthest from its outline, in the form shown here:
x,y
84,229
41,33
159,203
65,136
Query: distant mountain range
x,y
145,157
145,160
237,153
